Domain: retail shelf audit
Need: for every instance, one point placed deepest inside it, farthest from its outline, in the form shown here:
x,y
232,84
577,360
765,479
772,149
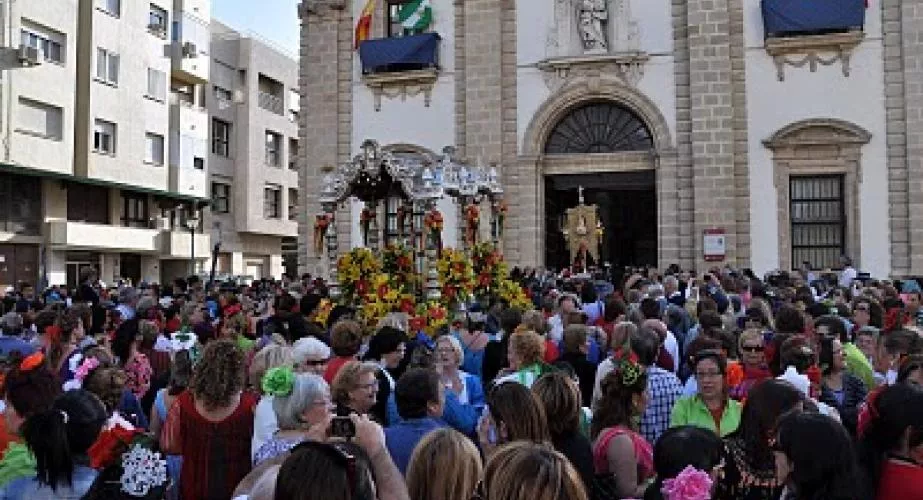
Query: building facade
x,y
254,107
704,131
104,133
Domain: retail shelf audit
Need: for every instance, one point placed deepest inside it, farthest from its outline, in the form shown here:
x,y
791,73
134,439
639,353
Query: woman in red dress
x,y
211,424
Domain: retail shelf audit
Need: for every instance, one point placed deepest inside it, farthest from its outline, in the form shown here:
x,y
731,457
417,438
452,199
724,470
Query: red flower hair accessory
x,y
231,310
32,361
53,332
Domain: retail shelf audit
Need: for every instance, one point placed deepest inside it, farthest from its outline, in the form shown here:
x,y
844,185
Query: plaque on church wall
x,y
714,245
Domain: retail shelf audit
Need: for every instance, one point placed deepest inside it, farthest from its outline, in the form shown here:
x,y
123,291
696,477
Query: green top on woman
x,y
691,410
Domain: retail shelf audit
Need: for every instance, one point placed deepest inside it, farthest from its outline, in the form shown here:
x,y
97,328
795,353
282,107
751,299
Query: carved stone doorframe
x,y
818,147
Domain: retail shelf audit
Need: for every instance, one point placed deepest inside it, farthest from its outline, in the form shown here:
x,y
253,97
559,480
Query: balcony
x,y
401,67
81,235
786,18
178,244
272,103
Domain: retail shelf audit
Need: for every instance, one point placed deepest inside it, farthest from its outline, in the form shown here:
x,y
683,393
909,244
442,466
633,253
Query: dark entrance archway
x,y
627,204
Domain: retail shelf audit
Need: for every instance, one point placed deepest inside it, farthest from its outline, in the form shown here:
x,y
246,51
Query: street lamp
x,y
192,222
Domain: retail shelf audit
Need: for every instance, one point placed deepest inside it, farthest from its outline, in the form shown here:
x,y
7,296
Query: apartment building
x,y
104,136
253,178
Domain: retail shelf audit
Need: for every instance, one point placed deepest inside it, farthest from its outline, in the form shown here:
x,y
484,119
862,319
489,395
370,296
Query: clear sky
x,y
275,20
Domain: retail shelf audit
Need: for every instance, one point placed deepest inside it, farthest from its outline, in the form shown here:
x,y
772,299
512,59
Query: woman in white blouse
x,y
467,387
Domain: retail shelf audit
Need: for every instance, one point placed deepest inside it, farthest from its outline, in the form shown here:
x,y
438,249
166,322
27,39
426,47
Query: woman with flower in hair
x,y
29,388
710,408
59,438
303,409
126,346
235,326
618,449
688,460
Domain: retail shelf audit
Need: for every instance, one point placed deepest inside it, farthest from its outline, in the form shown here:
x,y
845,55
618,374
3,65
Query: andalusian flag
x,y
416,15
364,26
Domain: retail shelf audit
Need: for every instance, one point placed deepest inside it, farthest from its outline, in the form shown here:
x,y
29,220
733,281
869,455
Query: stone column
x,y
712,113
326,118
911,34
896,130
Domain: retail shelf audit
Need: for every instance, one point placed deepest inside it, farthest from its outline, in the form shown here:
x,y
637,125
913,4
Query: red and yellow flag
x,y
364,26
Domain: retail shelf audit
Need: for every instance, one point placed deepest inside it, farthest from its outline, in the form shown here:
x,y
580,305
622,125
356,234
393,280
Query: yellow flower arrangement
x,y
355,271
431,317
386,296
323,311
489,269
511,292
456,276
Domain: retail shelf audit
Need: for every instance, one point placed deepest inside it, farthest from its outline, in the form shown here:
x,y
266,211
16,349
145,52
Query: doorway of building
x,y
627,207
130,268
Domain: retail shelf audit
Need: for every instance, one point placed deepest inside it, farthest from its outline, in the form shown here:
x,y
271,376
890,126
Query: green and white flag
x,y
416,15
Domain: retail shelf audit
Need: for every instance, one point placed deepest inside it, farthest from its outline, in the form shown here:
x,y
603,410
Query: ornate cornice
x,y
798,51
627,67
402,84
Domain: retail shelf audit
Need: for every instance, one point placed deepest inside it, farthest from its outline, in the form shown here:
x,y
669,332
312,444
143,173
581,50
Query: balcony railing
x,y
272,103
784,18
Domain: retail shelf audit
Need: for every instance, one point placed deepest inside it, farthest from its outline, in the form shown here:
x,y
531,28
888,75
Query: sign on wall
x,y
714,245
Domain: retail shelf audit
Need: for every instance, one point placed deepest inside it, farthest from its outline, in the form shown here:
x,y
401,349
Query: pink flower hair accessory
x,y
690,484
86,367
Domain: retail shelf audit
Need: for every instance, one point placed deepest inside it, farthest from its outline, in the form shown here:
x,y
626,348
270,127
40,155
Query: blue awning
x,y
400,53
792,17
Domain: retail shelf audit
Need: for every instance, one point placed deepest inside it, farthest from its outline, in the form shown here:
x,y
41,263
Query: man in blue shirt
x,y
420,400
11,336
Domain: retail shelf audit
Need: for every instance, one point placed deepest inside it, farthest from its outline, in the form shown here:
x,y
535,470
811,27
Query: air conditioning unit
x,y
29,56
190,50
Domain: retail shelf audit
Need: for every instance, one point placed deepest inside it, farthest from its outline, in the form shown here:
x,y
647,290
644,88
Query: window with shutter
x,y
40,119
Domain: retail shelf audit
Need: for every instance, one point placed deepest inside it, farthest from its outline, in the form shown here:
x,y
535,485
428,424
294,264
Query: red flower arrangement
x,y
110,445
735,374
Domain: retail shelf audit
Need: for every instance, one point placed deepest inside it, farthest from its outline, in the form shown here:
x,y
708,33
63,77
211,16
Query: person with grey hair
x,y
299,406
310,355
11,336
128,300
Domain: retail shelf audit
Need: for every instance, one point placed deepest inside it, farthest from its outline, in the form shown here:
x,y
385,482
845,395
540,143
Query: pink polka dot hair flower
x,y
86,367
690,484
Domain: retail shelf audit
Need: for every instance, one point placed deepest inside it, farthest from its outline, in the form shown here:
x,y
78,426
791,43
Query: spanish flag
x,y
364,26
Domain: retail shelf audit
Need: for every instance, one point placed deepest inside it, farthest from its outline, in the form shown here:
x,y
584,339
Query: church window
x,y
600,127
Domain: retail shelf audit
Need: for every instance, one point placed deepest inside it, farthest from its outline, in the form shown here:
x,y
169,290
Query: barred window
x,y
818,220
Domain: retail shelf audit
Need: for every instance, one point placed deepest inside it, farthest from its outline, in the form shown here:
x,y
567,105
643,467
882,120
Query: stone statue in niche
x,y
593,16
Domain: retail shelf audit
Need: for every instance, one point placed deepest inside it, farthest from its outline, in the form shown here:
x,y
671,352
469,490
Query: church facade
x,y
706,131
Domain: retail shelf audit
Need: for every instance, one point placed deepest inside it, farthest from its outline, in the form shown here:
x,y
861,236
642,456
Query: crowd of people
x,y
648,385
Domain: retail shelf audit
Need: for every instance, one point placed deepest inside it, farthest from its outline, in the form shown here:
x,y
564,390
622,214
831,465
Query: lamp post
x,y
192,222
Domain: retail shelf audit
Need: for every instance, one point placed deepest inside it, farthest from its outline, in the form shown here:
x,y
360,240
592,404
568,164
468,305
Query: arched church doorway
x,y
604,151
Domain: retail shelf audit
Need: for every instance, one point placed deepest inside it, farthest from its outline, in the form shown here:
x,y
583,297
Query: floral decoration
x,y
143,470
80,372
472,223
110,445
513,294
734,374
32,361
489,269
397,262
431,317
456,276
323,311
690,484
278,381
356,270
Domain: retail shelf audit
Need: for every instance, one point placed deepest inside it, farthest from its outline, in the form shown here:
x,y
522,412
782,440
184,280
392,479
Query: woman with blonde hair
x,y
356,386
445,465
528,471
526,359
